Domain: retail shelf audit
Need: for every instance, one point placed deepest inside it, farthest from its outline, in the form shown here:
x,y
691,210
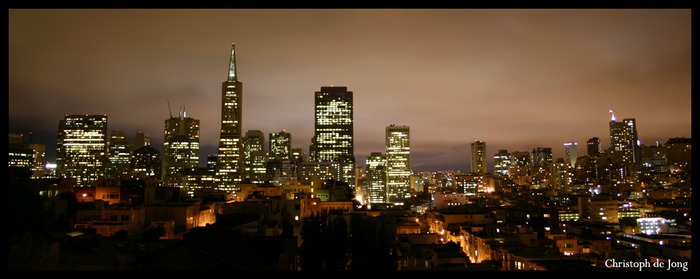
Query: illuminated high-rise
x,y
541,160
27,154
478,157
280,145
376,178
279,165
541,166
82,148
255,156
571,153
624,148
398,164
230,168
181,147
520,164
562,175
501,162
334,131
654,158
119,153
146,163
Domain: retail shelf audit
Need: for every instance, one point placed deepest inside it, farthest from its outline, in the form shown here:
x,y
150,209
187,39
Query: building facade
x,y
478,157
333,139
624,147
376,177
398,163
230,168
180,146
82,148
501,162
255,156
571,153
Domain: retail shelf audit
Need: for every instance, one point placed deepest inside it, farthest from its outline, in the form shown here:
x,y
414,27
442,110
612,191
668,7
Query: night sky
x,y
516,79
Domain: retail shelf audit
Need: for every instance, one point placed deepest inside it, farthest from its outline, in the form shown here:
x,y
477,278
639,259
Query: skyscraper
x,y
280,166
119,153
255,156
571,153
376,177
679,151
501,162
27,154
146,163
298,157
478,157
230,169
593,147
181,147
280,145
334,130
140,140
520,164
654,158
541,160
82,148
624,148
541,166
398,164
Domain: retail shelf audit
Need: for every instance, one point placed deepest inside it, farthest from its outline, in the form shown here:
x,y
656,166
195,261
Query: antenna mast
x,y
170,111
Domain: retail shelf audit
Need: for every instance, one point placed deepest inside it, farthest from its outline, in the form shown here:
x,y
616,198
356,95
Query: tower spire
x,y
232,64
612,118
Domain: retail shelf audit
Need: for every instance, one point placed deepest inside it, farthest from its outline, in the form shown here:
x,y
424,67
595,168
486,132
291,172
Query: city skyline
x,y
514,79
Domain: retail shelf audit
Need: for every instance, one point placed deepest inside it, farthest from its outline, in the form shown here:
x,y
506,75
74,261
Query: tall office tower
x,y
654,158
376,177
39,155
230,168
541,160
29,153
593,145
398,164
82,148
501,162
180,146
279,166
255,156
361,192
562,176
298,158
334,130
140,140
211,163
280,145
119,153
624,148
678,151
478,154
571,153
519,164
20,157
146,163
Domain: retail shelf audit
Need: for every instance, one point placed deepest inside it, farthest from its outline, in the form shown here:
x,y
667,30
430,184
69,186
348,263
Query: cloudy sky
x,y
516,79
